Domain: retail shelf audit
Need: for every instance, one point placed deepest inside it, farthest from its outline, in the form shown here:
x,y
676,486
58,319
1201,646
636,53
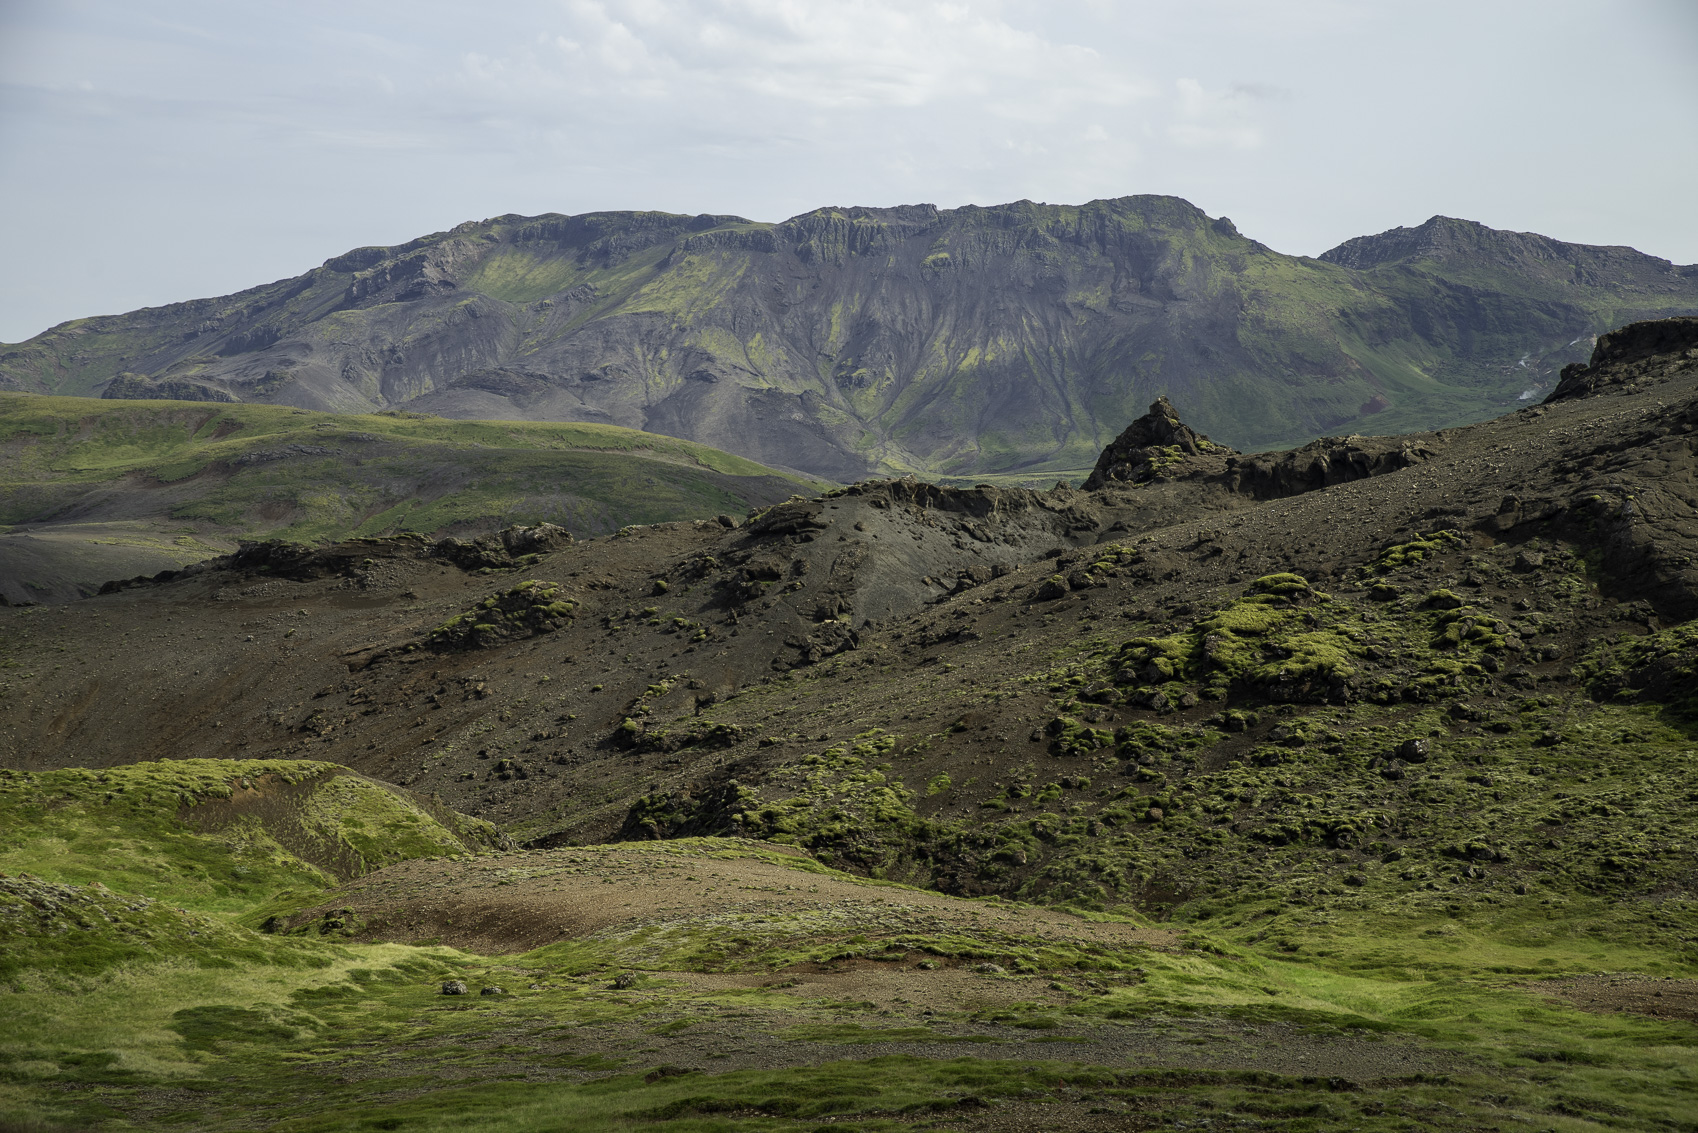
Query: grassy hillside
x,y
1364,807
94,490
744,1021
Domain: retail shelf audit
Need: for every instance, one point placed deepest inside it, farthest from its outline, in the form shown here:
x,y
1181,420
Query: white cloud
x,y
219,144
850,56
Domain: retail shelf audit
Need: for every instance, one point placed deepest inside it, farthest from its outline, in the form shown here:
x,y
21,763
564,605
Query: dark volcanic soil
x,y
910,604
1638,995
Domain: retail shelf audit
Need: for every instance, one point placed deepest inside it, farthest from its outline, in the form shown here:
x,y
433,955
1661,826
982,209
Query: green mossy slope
x,y
217,836
97,490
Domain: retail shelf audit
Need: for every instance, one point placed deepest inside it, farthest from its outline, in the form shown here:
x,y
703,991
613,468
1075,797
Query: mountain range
x,y
1011,341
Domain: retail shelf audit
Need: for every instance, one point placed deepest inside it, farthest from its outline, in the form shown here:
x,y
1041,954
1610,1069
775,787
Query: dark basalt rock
x,y
504,547
1159,446
1328,461
135,387
1638,351
1152,447
507,549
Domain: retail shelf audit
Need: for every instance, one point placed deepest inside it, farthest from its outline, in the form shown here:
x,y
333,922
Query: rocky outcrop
x,y
135,387
1156,445
505,548
354,559
1329,461
1159,446
1644,351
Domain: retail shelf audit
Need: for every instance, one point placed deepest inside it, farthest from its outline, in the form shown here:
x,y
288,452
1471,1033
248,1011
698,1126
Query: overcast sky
x,y
157,150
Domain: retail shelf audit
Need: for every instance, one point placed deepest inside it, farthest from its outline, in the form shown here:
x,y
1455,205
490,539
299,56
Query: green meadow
x,y
149,999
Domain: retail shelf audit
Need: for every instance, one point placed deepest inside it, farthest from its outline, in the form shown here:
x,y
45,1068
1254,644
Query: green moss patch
x,y
521,611
216,836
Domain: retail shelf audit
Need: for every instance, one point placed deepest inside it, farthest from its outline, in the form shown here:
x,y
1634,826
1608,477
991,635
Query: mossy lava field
x,y
1347,788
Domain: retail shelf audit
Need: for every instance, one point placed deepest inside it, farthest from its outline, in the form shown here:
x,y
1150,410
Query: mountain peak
x,y
1453,240
1148,447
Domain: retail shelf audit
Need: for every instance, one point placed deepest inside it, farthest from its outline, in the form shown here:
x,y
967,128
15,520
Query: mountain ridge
x,y
1010,340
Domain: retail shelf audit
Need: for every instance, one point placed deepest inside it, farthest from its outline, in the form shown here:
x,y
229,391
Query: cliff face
x,y
1015,339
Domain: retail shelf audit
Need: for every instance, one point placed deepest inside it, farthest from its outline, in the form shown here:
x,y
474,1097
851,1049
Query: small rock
x,y
1529,560
625,980
1356,880
493,990
455,987
1414,750
1154,814
989,969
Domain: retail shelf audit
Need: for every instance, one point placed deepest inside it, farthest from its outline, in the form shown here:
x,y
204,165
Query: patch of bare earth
x,y
1636,995
807,1013
501,904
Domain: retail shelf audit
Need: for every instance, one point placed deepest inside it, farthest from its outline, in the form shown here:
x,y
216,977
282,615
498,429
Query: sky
x,y
160,150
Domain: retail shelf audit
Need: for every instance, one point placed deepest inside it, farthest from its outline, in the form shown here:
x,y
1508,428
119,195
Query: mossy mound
x,y
525,610
217,835
1661,667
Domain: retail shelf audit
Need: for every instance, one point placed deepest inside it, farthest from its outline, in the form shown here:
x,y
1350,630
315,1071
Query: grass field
x,y
215,1026
92,490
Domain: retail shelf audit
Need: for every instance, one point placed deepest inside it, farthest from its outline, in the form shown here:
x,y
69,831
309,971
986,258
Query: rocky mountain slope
x,y
1013,340
549,690
91,491
1335,766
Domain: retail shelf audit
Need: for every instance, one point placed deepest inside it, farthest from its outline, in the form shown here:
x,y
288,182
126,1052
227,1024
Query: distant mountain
x,y
1014,340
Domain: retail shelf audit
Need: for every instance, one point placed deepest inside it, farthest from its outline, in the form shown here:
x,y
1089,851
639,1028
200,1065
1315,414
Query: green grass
x,y
362,1038
166,830
233,1029
381,474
